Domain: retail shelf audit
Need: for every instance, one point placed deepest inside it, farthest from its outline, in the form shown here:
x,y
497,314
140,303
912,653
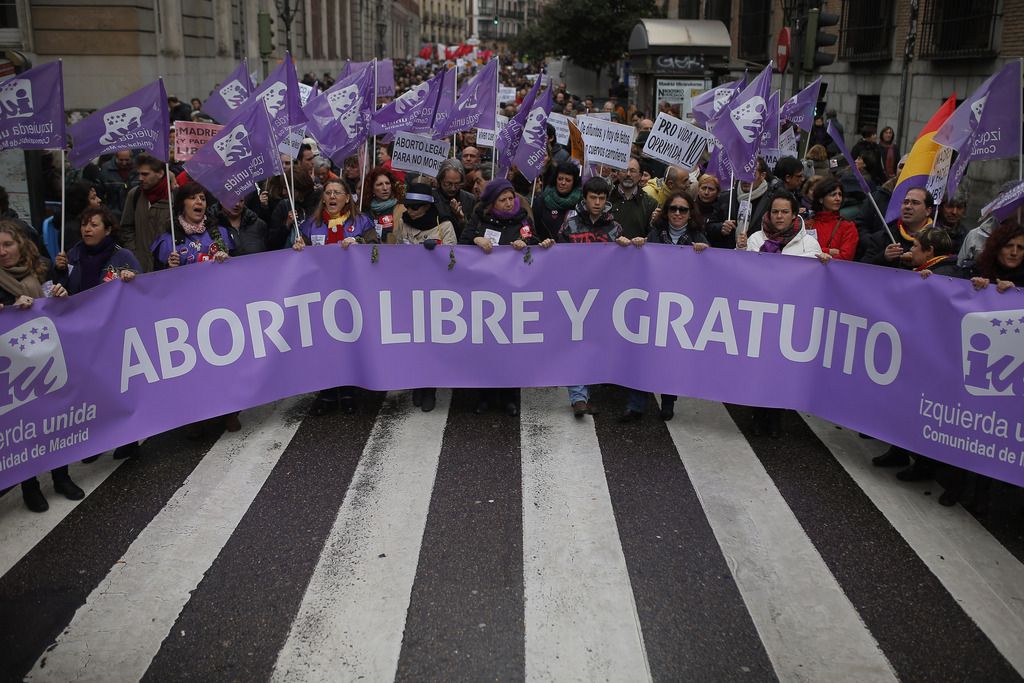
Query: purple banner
x,y
415,106
741,123
533,140
842,341
32,109
800,107
138,121
340,120
477,104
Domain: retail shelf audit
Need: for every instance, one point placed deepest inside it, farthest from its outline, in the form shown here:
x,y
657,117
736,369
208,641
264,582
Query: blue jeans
x,y
638,401
579,393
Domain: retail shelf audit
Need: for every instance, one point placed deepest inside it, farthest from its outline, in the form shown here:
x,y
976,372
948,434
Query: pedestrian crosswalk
x,y
396,544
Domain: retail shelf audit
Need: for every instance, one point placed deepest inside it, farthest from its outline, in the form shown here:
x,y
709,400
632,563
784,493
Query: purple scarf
x,y
505,215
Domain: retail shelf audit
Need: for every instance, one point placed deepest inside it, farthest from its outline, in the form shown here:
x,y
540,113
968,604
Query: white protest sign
x,y
772,156
506,94
787,142
606,142
189,137
676,142
418,154
485,137
940,173
603,115
290,145
304,92
561,125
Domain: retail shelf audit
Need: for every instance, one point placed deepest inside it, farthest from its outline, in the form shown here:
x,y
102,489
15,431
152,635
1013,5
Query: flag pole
x,y
1020,101
884,224
373,137
497,104
291,200
63,193
170,203
455,98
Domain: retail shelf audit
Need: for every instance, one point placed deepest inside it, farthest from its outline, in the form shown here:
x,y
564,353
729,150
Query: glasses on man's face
x,y
450,184
675,208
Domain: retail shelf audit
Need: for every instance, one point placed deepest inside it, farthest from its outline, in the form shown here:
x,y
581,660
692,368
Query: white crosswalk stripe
x,y
132,610
580,618
349,626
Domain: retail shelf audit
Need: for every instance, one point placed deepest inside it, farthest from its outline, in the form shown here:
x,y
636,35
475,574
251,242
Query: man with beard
x,y
147,211
631,206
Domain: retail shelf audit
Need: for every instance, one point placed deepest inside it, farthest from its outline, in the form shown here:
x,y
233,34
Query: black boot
x,y
34,498
429,400
62,484
774,421
894,457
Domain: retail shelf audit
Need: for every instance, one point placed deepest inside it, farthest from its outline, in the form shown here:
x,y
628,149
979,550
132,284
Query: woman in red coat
x,y
837,236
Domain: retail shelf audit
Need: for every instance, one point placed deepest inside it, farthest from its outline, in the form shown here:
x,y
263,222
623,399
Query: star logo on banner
x,y
988,345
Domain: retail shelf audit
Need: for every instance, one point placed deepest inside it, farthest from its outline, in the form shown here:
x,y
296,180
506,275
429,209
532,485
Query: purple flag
x,y
411,109
770,134
1005,204
741,122
709,105
800,107
385,75
138,121
445,103
838,139
242,153
718,164
477,106
32,109
339,120
510,136
986,125
223,104
280,94
532,148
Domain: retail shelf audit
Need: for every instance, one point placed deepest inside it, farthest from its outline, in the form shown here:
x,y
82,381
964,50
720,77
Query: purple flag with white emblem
x,y
412,109
385,75
242,153
533,142
232,93
477,105
138,121
718,164
838,139
339,120
987,125
510,136
741,123
710,105
800,107
770,134
445,103
280,94
32,109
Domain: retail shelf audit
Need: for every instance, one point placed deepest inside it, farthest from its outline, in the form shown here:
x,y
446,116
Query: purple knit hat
x,y
493,190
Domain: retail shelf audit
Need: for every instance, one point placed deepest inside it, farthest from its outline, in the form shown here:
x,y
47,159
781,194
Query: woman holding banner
x,y
196,235
560,195
383,189
21,275
782,232
836,235
336,221
1002,259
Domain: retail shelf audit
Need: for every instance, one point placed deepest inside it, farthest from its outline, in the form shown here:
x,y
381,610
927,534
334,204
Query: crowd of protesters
x,y
121,223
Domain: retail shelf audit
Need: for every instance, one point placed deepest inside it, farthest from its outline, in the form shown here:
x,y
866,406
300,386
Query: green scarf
x,y
553,200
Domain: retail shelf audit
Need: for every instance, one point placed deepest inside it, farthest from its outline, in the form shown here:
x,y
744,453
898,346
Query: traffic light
x,y
263,23
815,39
495,21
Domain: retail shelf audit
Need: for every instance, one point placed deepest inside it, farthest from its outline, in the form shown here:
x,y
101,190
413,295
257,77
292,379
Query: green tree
x,y
591,33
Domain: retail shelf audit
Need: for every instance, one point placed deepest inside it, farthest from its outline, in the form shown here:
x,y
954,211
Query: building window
x,y
866,30
755,15
954,29
868,107
719,11
689,9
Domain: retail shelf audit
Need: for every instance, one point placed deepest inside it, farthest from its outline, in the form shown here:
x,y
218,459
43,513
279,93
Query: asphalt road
x,y
394,544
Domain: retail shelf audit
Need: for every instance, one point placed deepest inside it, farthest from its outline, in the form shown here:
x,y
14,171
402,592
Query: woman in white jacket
x,y
782,232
